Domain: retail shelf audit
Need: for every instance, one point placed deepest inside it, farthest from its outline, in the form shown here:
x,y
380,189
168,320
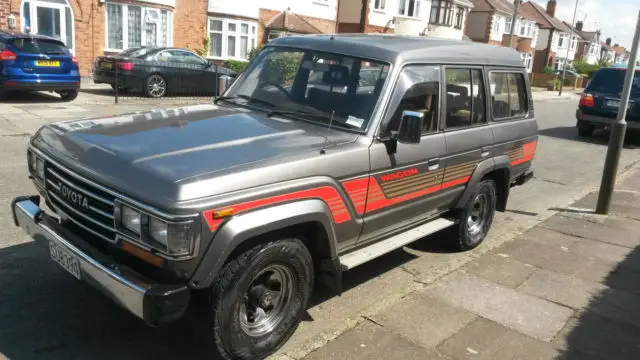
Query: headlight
x,y
130,219
40,168
31,160
176,237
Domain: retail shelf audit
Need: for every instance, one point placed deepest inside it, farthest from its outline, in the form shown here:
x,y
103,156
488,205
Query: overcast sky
x,y
616,18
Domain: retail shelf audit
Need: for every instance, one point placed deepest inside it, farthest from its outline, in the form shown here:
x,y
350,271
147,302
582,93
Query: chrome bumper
x,y
156,304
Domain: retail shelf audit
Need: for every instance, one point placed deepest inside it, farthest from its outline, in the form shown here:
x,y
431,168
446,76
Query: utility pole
x,y
566,59
514,18
618,129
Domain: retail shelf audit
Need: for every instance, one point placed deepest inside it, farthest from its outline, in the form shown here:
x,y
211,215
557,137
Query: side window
x,y
465,97
418,89
191,58
508,95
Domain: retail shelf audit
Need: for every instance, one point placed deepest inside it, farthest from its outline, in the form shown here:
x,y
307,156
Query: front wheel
x,y
68,95
476,217
259,298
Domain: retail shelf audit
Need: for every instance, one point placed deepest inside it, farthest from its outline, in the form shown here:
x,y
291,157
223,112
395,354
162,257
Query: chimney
x,y
616,45
608,42
551,8
579,25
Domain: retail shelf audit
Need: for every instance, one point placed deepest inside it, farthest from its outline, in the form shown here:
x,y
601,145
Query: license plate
x,y
48,63
613,103
65,259
105,65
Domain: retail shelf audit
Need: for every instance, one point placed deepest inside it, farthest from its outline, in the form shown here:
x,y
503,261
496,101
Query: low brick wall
x,y
541,79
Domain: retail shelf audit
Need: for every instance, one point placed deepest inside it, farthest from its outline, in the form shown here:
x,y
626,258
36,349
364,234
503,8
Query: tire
x,y
157,91
68,95
235,335
585,130
476,217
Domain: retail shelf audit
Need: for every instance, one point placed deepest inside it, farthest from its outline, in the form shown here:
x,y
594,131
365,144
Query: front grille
x,y
80,202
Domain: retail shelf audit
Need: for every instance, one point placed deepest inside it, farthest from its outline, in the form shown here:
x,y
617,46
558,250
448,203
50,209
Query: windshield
x,y
612,80
313,85
40,46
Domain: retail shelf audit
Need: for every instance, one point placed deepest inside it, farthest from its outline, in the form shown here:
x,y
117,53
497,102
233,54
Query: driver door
x,y
404,187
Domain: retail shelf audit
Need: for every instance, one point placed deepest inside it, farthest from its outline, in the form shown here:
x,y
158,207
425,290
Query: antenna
x,y
326,137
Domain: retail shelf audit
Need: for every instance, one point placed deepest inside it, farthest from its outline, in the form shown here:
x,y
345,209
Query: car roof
x,y
404,48
14,34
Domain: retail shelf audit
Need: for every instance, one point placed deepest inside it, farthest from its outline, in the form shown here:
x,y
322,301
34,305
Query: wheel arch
x,y
309,219
499,170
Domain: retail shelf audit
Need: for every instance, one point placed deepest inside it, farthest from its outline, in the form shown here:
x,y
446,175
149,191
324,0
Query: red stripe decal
x,y
528,152
455,182
326,193
357,190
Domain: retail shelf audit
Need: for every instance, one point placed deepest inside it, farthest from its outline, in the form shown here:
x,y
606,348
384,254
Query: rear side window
x,y
508,95
612,80
465,97
40,46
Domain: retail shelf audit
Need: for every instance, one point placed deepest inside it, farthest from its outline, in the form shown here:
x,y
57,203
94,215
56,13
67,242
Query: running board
x,y
359,257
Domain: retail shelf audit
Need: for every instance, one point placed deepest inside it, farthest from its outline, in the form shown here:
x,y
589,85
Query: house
x,y
490,22
434,18
590,48
555,46
621,55
91,28
607,55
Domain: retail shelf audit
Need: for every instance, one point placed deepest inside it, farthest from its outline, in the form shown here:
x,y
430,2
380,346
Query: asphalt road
x,y
46,314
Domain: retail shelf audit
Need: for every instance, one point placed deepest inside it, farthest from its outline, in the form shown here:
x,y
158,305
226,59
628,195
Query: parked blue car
x,y
36,62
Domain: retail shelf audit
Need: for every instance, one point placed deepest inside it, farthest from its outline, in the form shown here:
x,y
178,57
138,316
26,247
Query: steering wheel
x,y
277,86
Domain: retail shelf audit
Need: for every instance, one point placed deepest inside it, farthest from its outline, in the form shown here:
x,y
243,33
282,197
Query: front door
x,y
50,18
404,186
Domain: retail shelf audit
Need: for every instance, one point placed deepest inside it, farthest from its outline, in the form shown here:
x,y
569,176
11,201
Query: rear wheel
x,y
155,86
68,95
584,129
259,297
476,217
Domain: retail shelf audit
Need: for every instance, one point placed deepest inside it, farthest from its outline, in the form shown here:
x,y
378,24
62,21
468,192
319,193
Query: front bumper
x,y
602,121
156,304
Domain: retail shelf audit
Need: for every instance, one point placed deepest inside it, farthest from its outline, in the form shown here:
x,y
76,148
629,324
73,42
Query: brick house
x,y
590,48
433,18
554,41
490,22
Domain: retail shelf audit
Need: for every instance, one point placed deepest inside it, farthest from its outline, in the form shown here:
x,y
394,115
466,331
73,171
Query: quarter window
x,y
465,97
418,90
508,95
134,26
231,39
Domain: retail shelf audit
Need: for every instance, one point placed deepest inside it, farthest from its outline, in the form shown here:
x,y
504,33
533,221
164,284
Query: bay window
x,y
526,29
131,26
231,39
409,7
459,17
442,13
507,25
496,24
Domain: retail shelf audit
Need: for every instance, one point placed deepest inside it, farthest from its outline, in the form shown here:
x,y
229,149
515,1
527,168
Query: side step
x,y
359,257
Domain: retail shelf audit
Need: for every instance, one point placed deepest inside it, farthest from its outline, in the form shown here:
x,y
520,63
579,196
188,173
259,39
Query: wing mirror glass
x,y
410,127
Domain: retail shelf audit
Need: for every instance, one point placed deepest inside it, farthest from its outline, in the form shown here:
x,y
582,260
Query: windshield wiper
x,y
308,115
245,97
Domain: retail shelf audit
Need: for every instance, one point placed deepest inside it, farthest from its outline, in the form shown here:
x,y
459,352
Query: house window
x,y
496,24
561,40
231,39
526,58
442,13
574,42
507,25
409,8
459,17
379,4
131,26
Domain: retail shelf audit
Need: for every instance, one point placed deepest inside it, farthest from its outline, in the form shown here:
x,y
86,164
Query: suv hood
x,y
154,151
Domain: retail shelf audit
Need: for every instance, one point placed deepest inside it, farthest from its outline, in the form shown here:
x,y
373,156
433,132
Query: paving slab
x,y
549,238
423,320
623,203
500,269
486,340
369,341
619,231
562,289
527,314
601,250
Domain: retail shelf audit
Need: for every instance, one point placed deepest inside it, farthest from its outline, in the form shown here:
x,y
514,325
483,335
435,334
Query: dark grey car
x,y
282,184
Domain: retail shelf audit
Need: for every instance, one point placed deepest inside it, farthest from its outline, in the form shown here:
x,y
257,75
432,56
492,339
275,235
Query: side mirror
x,y
410,128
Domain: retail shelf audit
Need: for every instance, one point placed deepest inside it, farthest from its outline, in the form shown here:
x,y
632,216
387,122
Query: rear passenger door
x,y
513,124
467,133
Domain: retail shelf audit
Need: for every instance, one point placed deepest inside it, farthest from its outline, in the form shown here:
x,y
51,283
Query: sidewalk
x,y
567,289
568,94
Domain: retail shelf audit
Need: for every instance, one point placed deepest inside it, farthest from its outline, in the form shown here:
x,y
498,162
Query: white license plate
x,y
65,259
613,103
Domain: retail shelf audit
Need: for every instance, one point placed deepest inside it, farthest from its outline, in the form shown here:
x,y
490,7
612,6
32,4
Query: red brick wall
x,y
4,13
348,27
189,23
265,15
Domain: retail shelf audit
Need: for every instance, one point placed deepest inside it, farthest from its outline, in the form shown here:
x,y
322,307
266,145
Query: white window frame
x,y
143,19
379,5
251,35
417,7
497,20
527,58
34,4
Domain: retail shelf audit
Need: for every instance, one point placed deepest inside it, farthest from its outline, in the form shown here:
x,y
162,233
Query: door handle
x,y
485,151
433,164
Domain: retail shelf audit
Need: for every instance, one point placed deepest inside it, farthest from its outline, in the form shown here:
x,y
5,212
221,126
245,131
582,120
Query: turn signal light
x,y
219,214
6,55
127,66
586,100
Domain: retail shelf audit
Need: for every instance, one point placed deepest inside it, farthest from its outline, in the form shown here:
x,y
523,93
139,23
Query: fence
x,y
175,79
551,81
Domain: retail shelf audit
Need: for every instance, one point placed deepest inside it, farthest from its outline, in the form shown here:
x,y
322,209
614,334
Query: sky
x,y
616,18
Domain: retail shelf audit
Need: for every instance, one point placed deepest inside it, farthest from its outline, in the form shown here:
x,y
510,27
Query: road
x,y
46,314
